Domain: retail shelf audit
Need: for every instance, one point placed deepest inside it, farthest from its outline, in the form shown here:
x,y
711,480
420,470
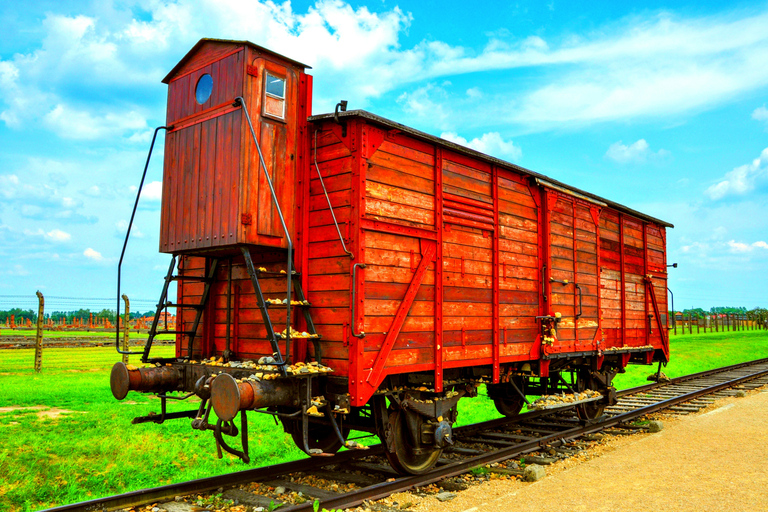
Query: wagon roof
x,y
233,42
482,156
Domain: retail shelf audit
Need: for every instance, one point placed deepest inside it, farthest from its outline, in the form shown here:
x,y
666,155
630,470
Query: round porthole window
x,y
204,88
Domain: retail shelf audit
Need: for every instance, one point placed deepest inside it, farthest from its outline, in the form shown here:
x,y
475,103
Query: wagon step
x,y
301,303
211,264
201,279
270,273
179,305
172,331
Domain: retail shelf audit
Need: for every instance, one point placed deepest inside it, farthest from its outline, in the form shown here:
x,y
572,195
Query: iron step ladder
x,y
302,304
163,304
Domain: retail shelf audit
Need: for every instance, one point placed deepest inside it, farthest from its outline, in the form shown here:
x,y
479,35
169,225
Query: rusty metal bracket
x,y
354,299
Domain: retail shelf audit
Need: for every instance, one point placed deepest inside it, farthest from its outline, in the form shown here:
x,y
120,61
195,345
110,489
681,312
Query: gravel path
x,y
715,460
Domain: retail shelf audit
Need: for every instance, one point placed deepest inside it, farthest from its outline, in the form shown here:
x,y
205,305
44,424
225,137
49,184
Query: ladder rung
x,y
201,279
278,306
177,305
188,333
268,273
313,337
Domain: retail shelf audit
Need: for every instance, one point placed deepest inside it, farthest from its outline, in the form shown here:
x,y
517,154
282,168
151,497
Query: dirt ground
x,y
713,460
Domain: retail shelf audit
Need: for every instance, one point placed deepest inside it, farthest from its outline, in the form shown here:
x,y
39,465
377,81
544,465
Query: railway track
x,y
541,437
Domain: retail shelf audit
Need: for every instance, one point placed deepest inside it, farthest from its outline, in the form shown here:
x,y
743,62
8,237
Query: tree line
x,y
22,315
701,313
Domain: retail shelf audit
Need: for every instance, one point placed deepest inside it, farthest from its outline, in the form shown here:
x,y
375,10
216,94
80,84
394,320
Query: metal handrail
x,y
125,244
325,191
240,101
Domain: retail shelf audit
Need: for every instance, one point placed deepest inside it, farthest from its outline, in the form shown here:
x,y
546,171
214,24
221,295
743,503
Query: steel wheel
x,y
320,437
509,406
404,459
589,410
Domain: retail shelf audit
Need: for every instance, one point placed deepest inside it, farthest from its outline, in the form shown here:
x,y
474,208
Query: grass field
x,y
31,333
93,450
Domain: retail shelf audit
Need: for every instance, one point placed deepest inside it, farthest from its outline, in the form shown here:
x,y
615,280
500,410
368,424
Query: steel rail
x,y
384,489
168,492
142,496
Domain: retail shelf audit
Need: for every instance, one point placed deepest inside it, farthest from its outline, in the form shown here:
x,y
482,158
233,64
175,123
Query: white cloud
x,y
741,247
58,235
637,152
742,179
738,246
152,191
650,65
122,229
93,255
760,114
489,143
70,123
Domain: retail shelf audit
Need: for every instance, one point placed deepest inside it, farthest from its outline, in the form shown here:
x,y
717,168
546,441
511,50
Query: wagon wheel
x,y
404,459
509,406
507,401
320,436
590,410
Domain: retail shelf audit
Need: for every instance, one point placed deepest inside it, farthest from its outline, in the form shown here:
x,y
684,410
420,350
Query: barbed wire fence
x,y
63,304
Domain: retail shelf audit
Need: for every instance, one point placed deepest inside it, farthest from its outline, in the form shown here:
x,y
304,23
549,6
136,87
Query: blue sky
x,y
662,106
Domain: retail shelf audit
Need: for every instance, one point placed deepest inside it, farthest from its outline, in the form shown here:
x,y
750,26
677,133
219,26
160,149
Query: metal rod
x,y
289,271
125,243
333,215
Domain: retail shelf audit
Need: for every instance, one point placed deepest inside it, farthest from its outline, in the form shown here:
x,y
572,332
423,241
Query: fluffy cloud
x,y
58,235
742,179
637,152
71,123
760,114
152,191
489,143
92,254
642,66
741,247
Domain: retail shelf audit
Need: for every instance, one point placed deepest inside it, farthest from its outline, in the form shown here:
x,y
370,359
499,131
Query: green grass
x,y
95,451
109,333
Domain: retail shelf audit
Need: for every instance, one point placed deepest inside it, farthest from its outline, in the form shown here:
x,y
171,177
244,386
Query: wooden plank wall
x,y
631,328
200,185
519,279
399,189
467,262
328,286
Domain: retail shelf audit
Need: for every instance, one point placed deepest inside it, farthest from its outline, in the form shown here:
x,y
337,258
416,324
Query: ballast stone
x,y
533,473
655,426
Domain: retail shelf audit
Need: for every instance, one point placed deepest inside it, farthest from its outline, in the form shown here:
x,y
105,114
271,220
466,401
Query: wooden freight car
x,y
411,269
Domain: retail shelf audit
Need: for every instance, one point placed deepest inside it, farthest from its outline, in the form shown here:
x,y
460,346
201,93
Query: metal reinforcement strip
x,y
167,492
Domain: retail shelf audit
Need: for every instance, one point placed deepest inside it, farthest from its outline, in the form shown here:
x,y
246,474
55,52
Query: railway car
x,y
346,272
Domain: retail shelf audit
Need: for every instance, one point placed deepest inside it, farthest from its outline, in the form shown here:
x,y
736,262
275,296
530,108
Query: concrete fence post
x,y
39,337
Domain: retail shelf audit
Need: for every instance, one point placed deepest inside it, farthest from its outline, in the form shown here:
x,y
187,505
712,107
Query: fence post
x,y
39,337
698,326
126,325
674,321
690,323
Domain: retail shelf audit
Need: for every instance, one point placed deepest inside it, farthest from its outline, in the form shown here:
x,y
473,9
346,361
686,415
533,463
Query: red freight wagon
x,y
412,269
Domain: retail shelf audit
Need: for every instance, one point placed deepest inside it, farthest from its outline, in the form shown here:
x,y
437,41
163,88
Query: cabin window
x,y
274,96
204,88
275,86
